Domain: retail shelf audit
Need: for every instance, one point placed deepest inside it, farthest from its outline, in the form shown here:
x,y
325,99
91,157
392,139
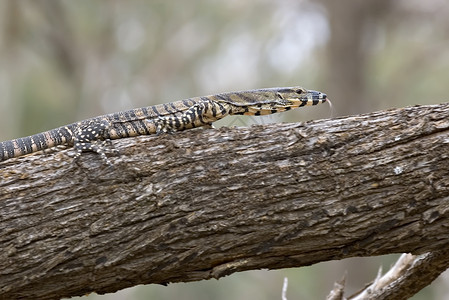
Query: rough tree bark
x,y
203,204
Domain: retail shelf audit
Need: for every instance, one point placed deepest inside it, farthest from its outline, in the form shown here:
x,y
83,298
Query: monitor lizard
x,y
94,134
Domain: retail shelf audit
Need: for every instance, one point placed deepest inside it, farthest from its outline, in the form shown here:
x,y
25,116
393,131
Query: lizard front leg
x,y
201,114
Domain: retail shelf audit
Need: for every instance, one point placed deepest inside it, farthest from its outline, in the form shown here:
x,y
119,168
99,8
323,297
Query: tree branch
x,y
203,204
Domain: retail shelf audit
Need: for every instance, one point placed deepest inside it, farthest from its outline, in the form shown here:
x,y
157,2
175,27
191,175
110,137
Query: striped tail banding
x,y
22,146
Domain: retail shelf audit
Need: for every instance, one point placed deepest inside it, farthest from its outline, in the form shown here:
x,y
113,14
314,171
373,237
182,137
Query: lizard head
x,y
297,96
273,100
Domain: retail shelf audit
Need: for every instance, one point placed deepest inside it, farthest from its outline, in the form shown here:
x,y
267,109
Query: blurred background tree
x,y
63,61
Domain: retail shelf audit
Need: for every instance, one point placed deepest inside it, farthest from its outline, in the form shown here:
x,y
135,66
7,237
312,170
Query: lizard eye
x,y
299,92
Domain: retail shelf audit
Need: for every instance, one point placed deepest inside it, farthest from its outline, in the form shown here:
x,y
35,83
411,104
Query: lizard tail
x,y
36,142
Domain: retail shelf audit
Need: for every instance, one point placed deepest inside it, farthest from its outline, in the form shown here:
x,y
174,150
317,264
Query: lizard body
x,y
93,134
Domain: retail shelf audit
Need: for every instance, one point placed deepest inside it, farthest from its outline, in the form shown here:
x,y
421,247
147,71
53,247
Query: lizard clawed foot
x,y
165,125
99,147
